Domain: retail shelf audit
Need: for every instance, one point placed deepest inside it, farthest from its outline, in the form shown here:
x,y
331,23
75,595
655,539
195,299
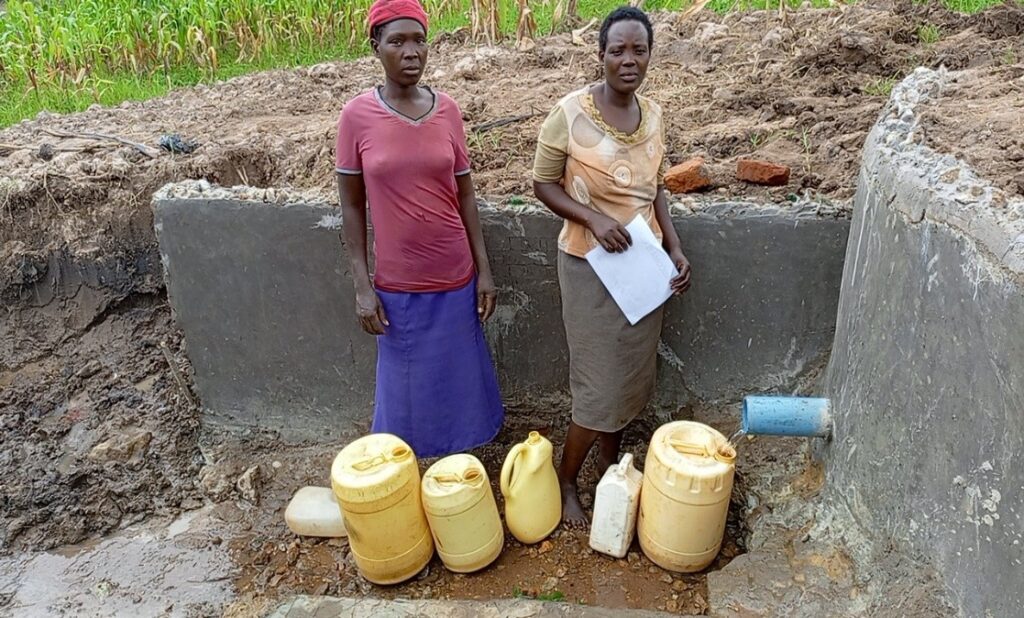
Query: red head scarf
x,y
384,11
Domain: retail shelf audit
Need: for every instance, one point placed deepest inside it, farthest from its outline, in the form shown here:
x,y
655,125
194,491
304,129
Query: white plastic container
x,y
615,506
314,511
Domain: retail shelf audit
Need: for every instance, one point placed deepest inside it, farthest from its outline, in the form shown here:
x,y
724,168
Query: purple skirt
x,y
436,386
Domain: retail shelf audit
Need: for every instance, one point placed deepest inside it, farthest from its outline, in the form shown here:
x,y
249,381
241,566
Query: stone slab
x,y
330,607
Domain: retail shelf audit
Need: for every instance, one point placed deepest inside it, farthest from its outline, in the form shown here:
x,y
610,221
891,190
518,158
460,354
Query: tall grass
x,y
63,55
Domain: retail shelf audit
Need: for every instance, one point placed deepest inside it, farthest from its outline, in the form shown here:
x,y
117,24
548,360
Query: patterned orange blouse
x,y
601,167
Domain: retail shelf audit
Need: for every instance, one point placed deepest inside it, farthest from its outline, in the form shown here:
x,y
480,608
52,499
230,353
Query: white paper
x,y
638,279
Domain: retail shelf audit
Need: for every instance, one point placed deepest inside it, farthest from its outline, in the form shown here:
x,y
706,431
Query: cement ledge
x,y
807,206
955,195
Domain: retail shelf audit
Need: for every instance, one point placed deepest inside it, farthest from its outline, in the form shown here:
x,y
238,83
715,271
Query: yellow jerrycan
x,y
684,500
462,513
377,483
533,501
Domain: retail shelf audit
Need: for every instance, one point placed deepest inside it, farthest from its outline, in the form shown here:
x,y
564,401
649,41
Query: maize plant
x,y
563,10
526,25
54,41
485,21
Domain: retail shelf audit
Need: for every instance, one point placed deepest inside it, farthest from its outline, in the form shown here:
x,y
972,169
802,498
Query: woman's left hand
x,y
681,282
486,296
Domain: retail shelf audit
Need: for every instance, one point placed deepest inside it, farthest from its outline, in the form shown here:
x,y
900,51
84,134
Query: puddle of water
x,y
184,523
70,551
143,571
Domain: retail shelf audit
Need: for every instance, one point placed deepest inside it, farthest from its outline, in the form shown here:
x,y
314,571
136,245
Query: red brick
x,y
688,176
762,172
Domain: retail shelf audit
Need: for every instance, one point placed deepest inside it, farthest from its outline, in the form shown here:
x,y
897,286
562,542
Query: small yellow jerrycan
x,y
377,483
685,496
462,513
533,501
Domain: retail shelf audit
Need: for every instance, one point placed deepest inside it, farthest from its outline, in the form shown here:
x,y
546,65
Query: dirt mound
x,y
802,89
979,118
98,429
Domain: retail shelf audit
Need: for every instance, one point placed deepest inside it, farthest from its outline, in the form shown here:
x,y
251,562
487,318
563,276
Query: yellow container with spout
x,y
462,513
533,500
376,480
684,500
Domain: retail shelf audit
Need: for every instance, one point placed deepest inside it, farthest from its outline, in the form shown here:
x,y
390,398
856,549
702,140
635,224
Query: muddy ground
x,y
979,118
272,561
100,428
236,556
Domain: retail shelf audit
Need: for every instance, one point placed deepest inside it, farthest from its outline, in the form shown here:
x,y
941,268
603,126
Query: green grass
x,y
880,87
969,6
929,34
1010,56
64,55
19,100
555,596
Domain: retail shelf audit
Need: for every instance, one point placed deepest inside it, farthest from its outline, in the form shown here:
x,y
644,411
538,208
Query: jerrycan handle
x,y
725,453
507,470
399,453
624,464
700,450
470,477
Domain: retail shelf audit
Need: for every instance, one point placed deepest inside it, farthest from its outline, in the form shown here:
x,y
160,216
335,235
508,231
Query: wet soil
x,y
235,555
96,432
274,562
782,554
979,118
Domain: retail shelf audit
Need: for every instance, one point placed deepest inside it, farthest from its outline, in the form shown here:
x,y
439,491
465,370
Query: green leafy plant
x,y
1010,56
64,55
555,596
881,87
929,34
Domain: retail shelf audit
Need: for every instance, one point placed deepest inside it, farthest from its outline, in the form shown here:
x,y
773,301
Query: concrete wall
x,y
258,282
927,371
261,294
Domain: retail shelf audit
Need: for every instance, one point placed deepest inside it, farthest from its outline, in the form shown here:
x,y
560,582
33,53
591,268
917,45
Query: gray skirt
x,y
612,365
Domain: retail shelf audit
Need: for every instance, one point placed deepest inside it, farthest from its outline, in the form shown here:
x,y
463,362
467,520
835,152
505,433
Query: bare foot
x,y
573,515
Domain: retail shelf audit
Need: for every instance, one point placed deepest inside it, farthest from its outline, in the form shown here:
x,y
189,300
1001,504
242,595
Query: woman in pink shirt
x,y
402,151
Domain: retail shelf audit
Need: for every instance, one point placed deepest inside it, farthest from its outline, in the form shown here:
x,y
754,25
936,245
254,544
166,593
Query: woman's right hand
x,y
371,312
609,232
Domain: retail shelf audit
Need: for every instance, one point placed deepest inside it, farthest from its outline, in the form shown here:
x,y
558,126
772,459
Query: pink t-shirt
x,y
409,168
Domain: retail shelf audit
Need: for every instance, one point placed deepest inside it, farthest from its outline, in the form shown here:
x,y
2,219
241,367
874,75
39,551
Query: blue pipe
x,y
786,416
